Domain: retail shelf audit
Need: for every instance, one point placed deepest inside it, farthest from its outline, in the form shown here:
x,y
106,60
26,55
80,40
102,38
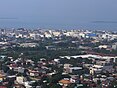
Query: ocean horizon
x,y
92,25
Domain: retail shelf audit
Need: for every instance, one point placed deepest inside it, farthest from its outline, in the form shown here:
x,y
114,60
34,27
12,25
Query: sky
x,y
56,12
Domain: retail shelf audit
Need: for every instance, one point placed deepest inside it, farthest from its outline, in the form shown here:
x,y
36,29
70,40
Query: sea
x,y
93,25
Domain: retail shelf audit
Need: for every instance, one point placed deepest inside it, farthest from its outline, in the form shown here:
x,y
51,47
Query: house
x,y
108,68
56,34
21,69
33,73
2,77
50,47
28,44
3,87
95,69
76,70
18,86
64,82
20,79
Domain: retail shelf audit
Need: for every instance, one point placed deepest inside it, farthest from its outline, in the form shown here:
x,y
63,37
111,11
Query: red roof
x,y
3,87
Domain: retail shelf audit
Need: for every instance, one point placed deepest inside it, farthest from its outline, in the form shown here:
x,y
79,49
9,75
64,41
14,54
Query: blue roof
x,y
91,35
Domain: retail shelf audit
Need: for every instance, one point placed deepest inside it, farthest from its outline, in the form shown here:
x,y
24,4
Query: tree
x,y
55,86
113,84
5,68
11,72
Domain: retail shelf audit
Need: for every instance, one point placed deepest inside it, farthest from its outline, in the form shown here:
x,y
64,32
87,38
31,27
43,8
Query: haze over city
x,y
66,14
58,44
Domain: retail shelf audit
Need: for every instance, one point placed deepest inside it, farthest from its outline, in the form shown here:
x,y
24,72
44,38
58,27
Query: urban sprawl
x,y
43,58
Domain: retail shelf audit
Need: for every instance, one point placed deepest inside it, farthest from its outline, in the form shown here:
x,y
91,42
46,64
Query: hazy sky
x,y
58,11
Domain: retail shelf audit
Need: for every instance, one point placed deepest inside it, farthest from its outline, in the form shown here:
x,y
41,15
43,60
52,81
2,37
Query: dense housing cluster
x,y
44,58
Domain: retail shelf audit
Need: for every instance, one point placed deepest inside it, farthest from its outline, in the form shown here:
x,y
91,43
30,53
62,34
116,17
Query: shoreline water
x,y
85,26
